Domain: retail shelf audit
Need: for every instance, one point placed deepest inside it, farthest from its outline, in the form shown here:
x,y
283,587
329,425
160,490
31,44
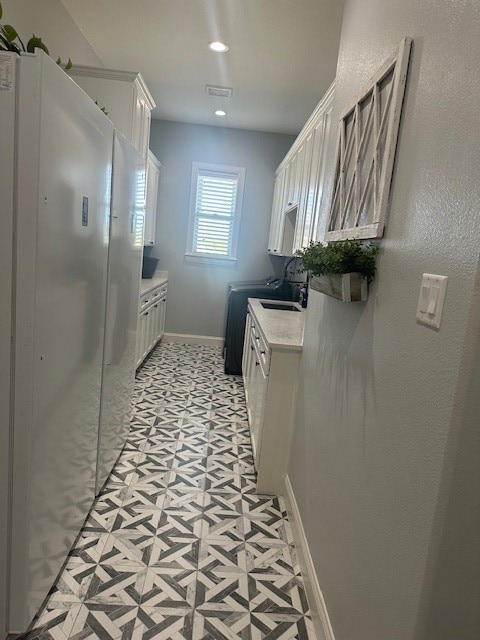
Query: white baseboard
x,y
321,621
186,338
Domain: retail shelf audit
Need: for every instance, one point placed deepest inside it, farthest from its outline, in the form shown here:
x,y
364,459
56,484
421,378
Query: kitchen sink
x,y
278,305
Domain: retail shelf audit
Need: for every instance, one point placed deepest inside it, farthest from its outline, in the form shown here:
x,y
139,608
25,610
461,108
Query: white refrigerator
x,y
124,273
55,186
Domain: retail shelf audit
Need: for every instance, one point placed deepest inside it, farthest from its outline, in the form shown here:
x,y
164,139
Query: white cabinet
x,y
315,178
276,226
141,118
293,181
124,96
270,373
151,196
151,320
299,182
304,178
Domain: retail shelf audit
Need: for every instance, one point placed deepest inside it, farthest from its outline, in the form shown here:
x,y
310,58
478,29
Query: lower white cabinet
x,y
151,321
270,374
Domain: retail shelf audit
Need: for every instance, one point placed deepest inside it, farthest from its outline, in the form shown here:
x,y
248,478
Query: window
x,y
215,209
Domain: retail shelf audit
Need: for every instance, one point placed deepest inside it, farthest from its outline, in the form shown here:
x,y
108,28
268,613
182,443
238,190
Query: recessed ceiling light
x,y
218,47
219,112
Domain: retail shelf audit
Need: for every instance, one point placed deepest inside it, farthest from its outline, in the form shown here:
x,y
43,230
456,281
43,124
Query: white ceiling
x,y
281,59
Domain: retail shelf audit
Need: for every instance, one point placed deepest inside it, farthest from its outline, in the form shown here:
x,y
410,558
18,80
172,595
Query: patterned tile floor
x,y
178,545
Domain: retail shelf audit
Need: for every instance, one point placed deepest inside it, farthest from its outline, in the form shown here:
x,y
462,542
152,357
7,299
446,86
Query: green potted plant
x,y
10,40
340,269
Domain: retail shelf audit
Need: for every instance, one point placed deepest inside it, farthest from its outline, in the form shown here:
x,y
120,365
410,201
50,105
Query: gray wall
x,y
385,459
50,20
197,293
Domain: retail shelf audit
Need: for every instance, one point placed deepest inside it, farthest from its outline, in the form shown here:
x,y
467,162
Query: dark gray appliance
x,y
237,302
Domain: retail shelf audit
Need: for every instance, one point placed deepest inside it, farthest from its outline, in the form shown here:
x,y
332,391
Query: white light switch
x,y
424,299
430,302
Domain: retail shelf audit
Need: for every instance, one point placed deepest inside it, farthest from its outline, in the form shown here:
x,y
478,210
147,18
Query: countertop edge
x,y
147,284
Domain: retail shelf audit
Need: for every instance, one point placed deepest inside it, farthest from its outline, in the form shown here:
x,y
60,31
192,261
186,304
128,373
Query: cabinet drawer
x,y
262,348
152,296
145,301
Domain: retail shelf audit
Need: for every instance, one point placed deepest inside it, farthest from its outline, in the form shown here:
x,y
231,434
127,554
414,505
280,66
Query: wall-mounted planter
x,y
347,287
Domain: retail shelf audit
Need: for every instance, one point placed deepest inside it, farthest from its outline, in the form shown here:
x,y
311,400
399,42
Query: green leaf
x,y
36,43
10,32
5,45
59,61
69,65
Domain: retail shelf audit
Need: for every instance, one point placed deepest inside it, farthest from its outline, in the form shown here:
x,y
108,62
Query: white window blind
x,y
215,210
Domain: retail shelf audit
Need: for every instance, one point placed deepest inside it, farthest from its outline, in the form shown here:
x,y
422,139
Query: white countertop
x,y
281,329
159,278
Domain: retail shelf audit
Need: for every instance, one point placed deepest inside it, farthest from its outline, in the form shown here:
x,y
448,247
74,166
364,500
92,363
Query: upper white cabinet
x,y
124,96
299,182
151,195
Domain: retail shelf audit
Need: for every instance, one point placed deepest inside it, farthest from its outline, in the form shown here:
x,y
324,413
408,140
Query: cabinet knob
x,y
262,353
251,347
257,363
146,313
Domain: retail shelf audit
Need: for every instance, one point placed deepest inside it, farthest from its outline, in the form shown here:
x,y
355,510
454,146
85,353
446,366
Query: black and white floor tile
x,y
179,545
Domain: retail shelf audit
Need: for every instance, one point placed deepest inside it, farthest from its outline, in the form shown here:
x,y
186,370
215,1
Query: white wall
x,y
386,453
50,20
197,293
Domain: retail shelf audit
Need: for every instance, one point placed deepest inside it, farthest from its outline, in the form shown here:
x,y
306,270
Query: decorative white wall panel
x,y
366,150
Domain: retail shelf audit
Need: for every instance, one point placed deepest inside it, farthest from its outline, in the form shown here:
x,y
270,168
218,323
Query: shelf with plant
x,y
341,269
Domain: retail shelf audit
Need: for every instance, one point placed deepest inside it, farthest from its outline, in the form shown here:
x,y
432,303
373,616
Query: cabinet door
x,y
303,175
245,355
141,338
146,334
276,222
250,379
155,311
261,381
160,319
140,122
290,176
163,315
317,175
152,327
151,196
297,181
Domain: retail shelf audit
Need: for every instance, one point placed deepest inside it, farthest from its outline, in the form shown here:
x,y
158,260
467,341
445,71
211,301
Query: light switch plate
x,y
431,299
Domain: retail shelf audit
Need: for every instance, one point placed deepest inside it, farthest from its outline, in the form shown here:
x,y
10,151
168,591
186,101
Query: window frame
x,y
215,258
